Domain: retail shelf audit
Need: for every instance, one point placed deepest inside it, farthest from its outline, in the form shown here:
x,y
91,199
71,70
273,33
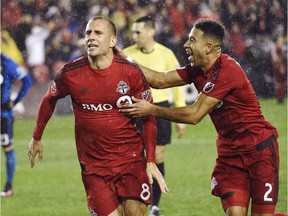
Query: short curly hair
x,y
211,28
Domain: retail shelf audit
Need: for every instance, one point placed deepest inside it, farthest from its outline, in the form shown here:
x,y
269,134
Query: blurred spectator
x,y
245,21
28,7
238,42
35,42
176,10
61,47
22,32
11,14
35,46
260,67
279,57
10,49
80,51
78,15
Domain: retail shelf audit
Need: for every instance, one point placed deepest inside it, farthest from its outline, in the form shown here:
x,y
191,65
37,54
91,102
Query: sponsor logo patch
x,y
213,183
146,95
92,212
53,88
208,87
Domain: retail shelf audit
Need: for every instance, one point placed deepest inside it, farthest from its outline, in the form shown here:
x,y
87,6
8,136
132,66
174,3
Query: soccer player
x,y
115,172
247,165
146,51
10,73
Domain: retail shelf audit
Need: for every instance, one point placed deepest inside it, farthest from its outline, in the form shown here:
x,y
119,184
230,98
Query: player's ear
x,y
209,48
113,41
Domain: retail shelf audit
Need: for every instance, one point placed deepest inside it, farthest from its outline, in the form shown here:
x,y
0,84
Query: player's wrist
x,y
36,137
154,110
150,160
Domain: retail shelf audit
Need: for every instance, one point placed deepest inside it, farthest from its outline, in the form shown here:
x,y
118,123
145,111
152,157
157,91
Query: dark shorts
x,y
105,194
163,127
6,131
255,175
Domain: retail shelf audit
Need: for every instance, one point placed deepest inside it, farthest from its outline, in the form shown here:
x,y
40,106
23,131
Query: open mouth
x,y
190,53
92,46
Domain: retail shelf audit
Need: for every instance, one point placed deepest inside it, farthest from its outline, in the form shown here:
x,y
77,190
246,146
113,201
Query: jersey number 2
x,y
266,198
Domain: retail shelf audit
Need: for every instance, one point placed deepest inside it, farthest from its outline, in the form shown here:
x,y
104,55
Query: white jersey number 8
x,y
145,194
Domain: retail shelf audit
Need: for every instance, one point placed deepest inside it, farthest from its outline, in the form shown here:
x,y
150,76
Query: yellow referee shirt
x,y
160,59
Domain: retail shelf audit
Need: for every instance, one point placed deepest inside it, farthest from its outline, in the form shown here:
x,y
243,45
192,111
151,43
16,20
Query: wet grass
x,y
54,187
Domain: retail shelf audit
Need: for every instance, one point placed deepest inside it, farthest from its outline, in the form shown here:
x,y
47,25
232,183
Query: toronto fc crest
x,y
122,87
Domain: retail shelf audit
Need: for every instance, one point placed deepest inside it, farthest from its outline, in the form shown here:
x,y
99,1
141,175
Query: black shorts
x,y
6,131
163,127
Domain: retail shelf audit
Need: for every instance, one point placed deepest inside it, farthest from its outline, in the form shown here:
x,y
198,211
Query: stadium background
x,y
44,34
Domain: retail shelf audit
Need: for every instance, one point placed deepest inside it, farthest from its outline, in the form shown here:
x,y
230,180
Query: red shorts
x,y
105,194
255,175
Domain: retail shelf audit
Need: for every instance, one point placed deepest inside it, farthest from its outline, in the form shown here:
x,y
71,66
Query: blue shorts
x,y
6,131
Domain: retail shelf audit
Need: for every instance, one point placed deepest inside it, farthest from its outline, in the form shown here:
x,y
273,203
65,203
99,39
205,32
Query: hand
x,y
119,52
153,172
140,108
35,147
180,129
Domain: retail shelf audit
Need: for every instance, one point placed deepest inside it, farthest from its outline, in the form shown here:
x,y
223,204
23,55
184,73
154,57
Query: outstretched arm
x,y
157,80
191,114
161,80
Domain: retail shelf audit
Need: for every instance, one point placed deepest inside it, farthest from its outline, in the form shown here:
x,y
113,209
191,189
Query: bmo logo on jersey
x,y
97,107
105,107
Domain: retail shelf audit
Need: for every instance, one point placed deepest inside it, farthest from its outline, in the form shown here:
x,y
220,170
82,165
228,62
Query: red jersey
x,y
238,118
104,138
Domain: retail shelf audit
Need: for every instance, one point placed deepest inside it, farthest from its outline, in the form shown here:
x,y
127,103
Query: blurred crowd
x,y
44,34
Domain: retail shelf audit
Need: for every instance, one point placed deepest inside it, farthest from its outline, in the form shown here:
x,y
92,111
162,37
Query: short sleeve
x,y
141,87
186,73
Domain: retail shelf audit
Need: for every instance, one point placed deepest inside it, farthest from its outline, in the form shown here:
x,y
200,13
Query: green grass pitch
x,y
54,186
